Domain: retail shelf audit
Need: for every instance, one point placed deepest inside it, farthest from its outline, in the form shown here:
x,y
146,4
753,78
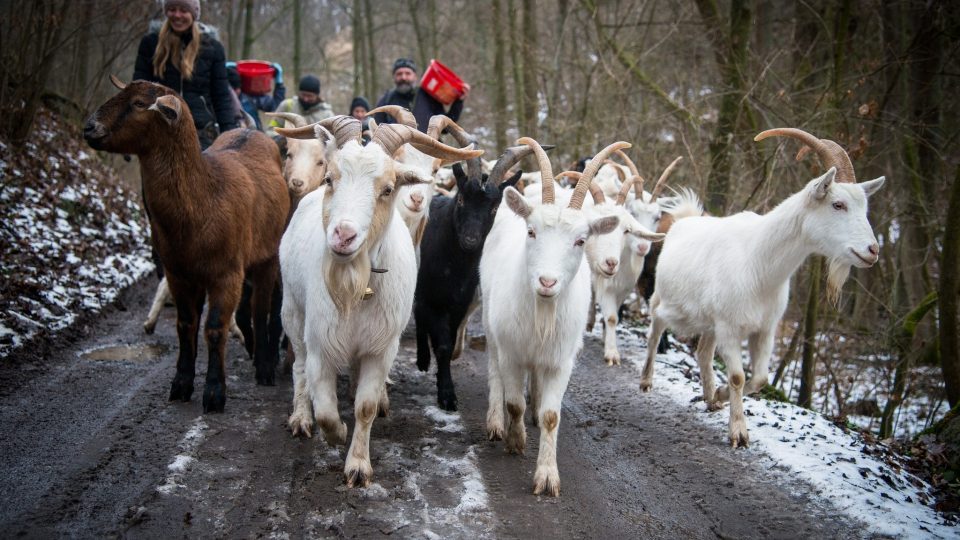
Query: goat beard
x,y
545,318
836,276
347,282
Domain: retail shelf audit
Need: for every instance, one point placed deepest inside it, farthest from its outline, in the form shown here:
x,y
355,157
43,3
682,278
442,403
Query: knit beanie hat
x,y
359,101
404,63
193,6
309,83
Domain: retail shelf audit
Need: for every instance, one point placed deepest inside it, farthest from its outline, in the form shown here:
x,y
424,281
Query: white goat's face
x,y
837,220
647,214
604,252
413,201
555,242
306,165
358,203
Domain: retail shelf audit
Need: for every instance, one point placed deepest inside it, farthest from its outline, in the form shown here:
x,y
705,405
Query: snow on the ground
x,y
72,236
185,458
806,446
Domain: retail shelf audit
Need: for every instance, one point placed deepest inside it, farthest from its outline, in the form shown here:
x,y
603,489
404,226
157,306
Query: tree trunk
x,y
419,32
247,29
360,82
517,65
949,291
808,365
530,69
730,52
297,39
499,78
371,49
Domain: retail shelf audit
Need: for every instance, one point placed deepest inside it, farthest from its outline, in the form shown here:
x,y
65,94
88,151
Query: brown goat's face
x,y
122,124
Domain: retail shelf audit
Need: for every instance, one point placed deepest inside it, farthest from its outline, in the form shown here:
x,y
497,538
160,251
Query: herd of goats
x,y
361,235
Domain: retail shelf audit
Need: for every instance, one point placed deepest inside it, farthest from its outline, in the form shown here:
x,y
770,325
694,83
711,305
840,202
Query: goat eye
x,y
460,201
387,191
531,234
493,211
579,242
839,205
320,163
139,104
327,180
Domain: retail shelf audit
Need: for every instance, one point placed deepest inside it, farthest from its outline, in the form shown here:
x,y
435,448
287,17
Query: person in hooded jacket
x,y
185,56
407,94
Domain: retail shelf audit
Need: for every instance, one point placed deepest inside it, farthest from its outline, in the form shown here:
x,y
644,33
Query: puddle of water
x,y
127,353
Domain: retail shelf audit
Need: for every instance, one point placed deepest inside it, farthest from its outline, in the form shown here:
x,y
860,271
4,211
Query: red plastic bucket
x,y
255,77
442,83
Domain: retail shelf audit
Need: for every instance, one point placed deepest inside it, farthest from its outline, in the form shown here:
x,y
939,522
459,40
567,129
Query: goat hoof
x,y
300,424
423,365
149,327
516,444
266,376
546,480
214,397
612,358
447,400
714,405
181,389
358,474
645,384
738,434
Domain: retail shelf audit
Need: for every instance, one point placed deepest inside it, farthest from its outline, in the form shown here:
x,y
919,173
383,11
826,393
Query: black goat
x,y
450,259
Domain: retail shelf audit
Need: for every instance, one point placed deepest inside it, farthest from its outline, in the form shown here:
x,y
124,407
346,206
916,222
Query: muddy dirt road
x,y
92,448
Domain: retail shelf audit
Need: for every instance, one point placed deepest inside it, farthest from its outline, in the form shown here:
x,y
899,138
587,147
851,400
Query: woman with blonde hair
x,y
186,56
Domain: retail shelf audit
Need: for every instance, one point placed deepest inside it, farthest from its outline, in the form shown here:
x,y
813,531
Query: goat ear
x,y
642,232
820,187
281,144
323,135
517,203
407,176
511,182
604,225
872,186
169,108
372,125
117,82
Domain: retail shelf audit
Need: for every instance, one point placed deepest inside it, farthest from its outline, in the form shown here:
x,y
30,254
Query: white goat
x,y
349,274
615,261
728,279
305,164
536,290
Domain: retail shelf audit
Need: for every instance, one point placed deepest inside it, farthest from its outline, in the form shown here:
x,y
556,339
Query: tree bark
x,y
949,291
808,364
297,39
530,69
247,28
499,78
371,49
517,66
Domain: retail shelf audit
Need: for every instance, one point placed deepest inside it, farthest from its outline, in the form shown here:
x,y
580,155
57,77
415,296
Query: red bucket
x,y
255,77
442,83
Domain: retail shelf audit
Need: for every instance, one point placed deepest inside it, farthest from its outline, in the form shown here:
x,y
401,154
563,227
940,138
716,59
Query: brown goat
x,y
214,216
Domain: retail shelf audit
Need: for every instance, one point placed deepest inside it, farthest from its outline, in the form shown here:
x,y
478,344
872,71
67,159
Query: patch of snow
x,y
449,422
186,456
808,447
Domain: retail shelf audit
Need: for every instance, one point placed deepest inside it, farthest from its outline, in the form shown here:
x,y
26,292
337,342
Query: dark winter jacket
x,y
207,93
421,103
252,104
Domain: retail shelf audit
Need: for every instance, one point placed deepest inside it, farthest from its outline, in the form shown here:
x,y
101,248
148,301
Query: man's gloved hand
x,y
278,73
231,64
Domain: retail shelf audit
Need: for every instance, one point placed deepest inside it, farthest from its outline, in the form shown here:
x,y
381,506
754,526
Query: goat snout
x,y
93,130
610,264
343,235
643,248
296,183
874,249
547,282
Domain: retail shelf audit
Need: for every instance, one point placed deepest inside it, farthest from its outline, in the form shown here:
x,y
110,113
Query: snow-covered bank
x,y
73,235
806,446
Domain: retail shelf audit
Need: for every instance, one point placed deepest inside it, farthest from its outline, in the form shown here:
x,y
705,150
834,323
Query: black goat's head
x,y
476,203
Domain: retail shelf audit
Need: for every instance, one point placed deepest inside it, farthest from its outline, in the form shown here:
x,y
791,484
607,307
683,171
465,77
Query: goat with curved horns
x,y
728,279
536,290
349,274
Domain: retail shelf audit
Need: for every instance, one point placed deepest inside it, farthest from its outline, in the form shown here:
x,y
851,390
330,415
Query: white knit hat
x,y
193,6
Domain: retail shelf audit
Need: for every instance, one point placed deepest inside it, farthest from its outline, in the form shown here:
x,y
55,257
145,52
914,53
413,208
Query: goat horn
x,y
580,192
595,191
637,186
404,116
616,168
344,129
510,157
662,181
117,82
391,137
625,188
440,122
293,118
830,153
546,171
